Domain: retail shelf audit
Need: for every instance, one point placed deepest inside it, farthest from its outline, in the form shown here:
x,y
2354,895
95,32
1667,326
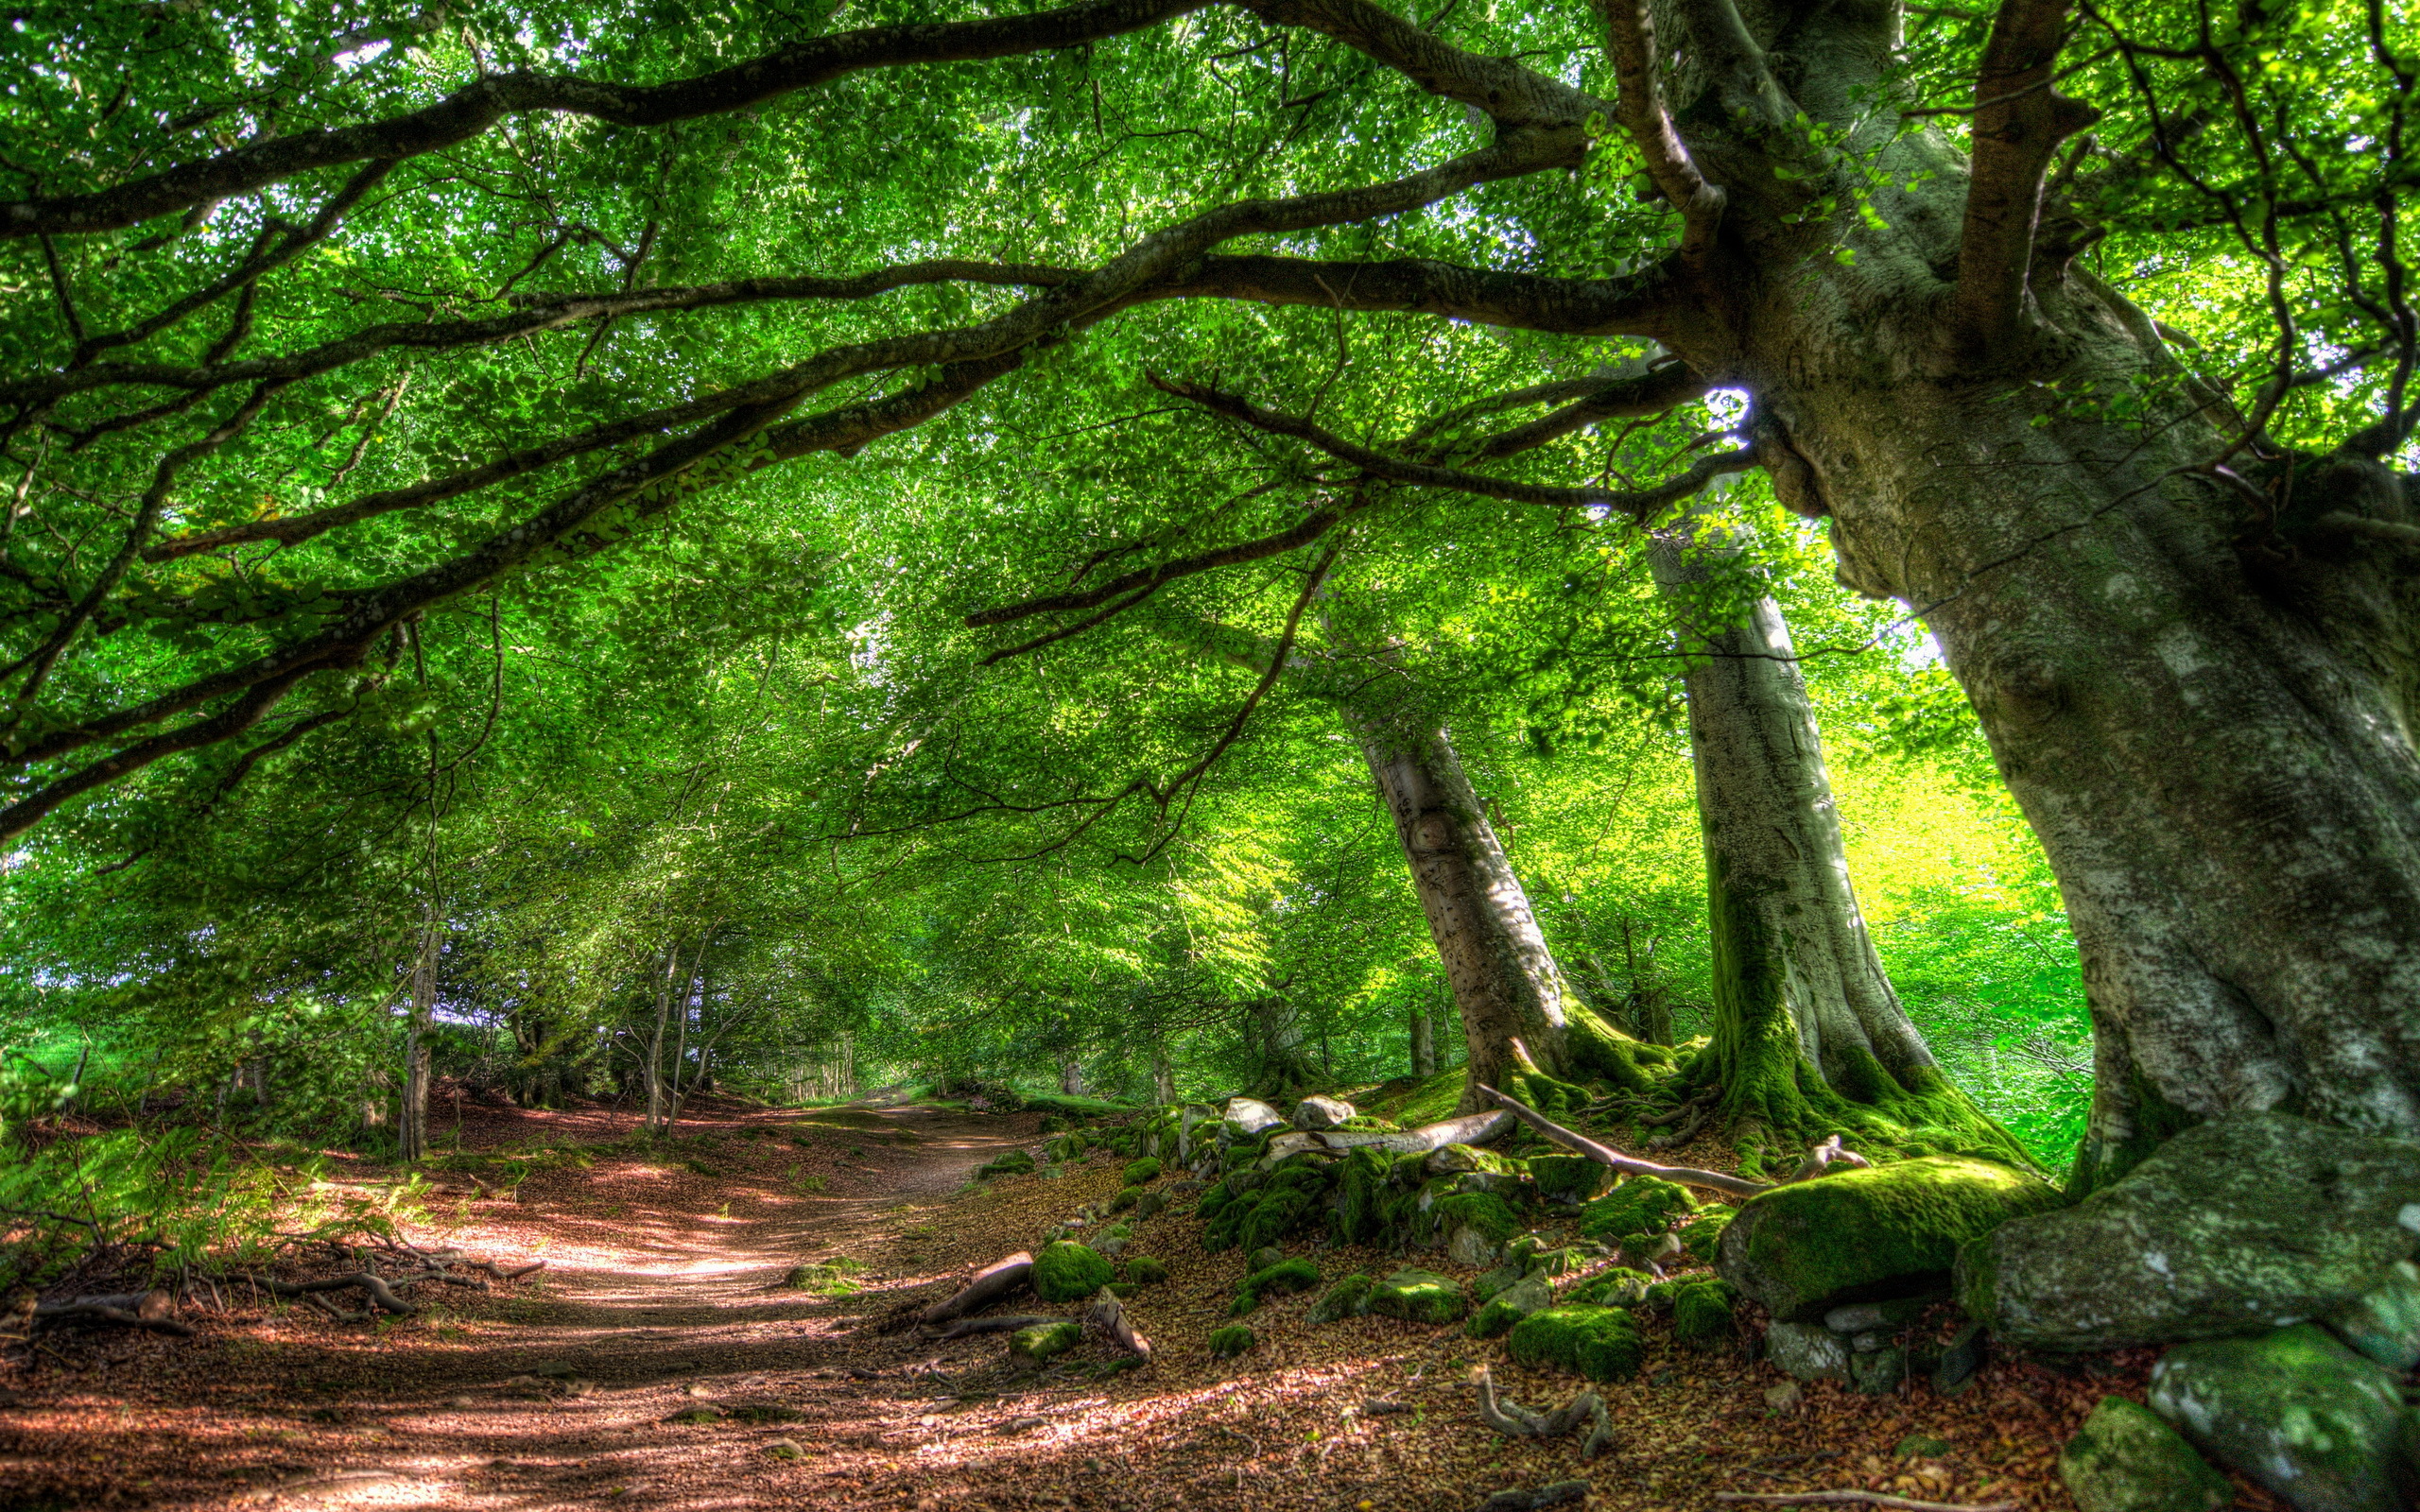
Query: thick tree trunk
x,y
1071,1074
1799,990
2207,716
1283,1068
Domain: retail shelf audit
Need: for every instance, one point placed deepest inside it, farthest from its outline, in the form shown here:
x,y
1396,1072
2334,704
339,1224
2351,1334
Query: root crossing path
x,y
670,1357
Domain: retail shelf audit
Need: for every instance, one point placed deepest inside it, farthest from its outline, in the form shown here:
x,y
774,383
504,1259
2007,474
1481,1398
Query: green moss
x,y
1146,1169
1614,1287
1069,1272
1297,1275
1432,1101
1569,1178
1231,1341
1124,1198
831,1277
1348,1298
1146,1271
1863,1234
1642,1204
2156,1121
1702,1317
1030,1348
1601,1343
1596,1048
1419,1296
1483,1210
1360,1210
1700,1234
1013,1162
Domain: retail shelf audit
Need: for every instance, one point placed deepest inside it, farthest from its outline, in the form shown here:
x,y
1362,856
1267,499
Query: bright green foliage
x,y
1601,1342
1032,1348
1640,1206
1146,1169
831,1277
1703,1231
1146,1271
1010,1162
1296,1275
1066,1271
1702,1314
1231,1341
1616,1286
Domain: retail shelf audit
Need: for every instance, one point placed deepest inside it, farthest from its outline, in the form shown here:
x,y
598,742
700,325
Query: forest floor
x,y
661,1362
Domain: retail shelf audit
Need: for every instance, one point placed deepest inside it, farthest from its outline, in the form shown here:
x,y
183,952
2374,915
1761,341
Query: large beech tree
x,y
313,330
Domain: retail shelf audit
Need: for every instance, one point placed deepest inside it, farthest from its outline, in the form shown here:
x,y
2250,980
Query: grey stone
x,y
2125,1459
1805,1351
1249,1117
2241,1224
1192,1116
1322,1112
2295,1411
1266,1256
1879,1373
1960,1358
1866,1317
2384,1323
1467,1245
1873,1343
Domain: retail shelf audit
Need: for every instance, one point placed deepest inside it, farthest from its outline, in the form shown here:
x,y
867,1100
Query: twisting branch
x,y
1639,105
1605,1155
1640,505
2019,122
1151,579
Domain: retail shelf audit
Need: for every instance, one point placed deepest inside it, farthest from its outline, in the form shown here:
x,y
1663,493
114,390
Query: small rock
x,y
1469,1247
580,1389
554,1370
1248,1117
1960,1358
1806,1352
1878,1374
1322,1112
2295,1411
1019,1425
1558,1494
1419,1296
1869,1343
696,1415
2384,1323
459,1403
1785,1398
1872,1317
1266,1256
2124,1459
698,1389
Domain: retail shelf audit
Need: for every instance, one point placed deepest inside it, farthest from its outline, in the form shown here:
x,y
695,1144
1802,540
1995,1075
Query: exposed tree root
x,y
1515,1422
1470,1129
1107,1318
1002,1276
382,1294
1631,1165
1560,1494
1006,1323
129,1310
1858,1499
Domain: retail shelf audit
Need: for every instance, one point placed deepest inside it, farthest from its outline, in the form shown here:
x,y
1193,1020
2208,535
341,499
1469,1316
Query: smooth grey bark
x,y
651,1063
1774,858
1424,1045
411,1127
1071,1074
1506,986
1163,1074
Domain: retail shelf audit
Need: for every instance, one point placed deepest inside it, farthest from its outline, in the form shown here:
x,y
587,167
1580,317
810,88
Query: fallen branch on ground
x,y
1471,1128
999,1278
968,1327
1630,1165
1107,1316
129,1310
380,1292
1858,1499
1515,1422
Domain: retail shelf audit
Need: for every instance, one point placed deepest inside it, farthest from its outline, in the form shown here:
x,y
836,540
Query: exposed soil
x,y
660,1361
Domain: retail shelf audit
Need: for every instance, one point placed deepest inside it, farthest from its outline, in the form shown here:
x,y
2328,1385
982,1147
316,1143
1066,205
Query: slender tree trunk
x,y
1071,1074
651,1066
411,1127
1424,1043
1799,990
1163,1074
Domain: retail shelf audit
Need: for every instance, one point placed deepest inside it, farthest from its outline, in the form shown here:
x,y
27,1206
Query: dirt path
x,y
661,1363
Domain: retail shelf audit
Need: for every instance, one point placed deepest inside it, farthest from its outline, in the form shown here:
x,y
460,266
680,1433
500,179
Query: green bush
x,y
1146,1169
1601,1343
1069,1272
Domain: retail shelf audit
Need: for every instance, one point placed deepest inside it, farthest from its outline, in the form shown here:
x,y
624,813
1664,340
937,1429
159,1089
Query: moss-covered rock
x,y
1701,1316
1145,1270
1348,1298
2234,1227
1510,1306
2296,1411
1570,1180
1616,1287
1231,1341
2384,1322
1296,1275
1703,1234
1457,1159
1144,1169
1640,1206
1011,1162
2125,1459
1419,1296
1488,1213
1858,1235
1601,1342
1124,1198
1363,1193
1069,1272
1029,1348
1321,1114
